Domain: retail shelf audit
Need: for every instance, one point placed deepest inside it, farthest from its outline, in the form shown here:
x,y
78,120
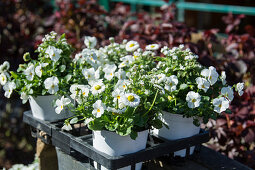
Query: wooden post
x,y
47,156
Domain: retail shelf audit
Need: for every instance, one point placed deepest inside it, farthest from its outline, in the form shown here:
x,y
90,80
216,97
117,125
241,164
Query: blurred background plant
x,y
23,24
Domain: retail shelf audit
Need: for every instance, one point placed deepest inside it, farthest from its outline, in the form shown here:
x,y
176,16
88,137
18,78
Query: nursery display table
x,y
75,150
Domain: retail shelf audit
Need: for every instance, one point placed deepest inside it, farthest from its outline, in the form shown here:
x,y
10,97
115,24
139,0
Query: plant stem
x,y
152,103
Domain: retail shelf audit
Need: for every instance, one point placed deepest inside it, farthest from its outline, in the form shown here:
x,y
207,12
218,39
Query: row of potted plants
x,y
120,91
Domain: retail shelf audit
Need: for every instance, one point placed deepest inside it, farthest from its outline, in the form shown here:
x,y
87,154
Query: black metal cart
x,y
78,149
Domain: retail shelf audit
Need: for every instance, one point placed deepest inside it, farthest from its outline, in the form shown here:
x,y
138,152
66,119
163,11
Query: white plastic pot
x,y
43,109
116,145
179,127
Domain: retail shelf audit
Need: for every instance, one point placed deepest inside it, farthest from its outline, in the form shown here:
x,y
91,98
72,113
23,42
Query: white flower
x,y
67,127
51,84
61,104
117,94
8,88
131,99
193,99
74,91
239,88
223,77
136,55
86,122
39,70
97,87
90,74
227,92
24,97
90,42
30,72
203,84
84,90
120,74
116,111
109,70
220,104
3,79
189,57
171,83
53,53
152,47
122,84
160,78
128,59
4,67
211,74
99,108
132,46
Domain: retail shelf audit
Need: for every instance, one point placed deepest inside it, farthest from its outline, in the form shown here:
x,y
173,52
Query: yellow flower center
x,y
54,55
31,73
170,97
135,56
171,84
124,86
203,86
98,110
61,106
131,98
152,46
220,105
131,45
83,93
3,78
97,87
210,77
111,74
89,76
193,100
118,97
52,86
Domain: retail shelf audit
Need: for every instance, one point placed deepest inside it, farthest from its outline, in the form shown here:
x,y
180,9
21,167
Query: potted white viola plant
x,y
40,81
114,98
190,93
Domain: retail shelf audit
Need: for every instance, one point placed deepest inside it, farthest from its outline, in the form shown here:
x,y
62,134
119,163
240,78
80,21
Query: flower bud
x,y
26,56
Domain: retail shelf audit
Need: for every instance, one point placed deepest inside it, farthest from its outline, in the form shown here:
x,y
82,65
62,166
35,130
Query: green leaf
x,y
96,124
228,111
62,68
14,75
74,120
157,124
68,77
183,86
133,135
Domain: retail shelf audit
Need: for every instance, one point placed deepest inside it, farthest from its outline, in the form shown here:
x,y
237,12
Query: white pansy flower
x,y
131,99
132,46
227,92
117,94
120,74
152,47
122,84
53,53
4,67
84,90
99,108
128,59
220,104
61,104
203,84
211,74
24,97
39,70
171,83
67,127
239,88
116,111
74,91
97,87
30,72
193,99
109,70
8,88
51,84
3,79
90,74
90,42
223,77
160,78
